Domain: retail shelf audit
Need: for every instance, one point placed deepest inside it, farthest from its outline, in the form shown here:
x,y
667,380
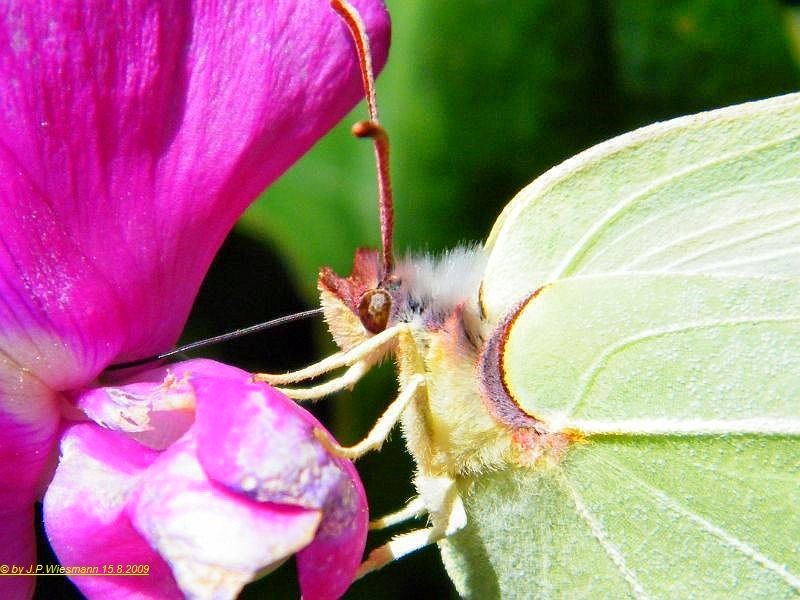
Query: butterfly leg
x,y
412,510
380,431
398,547
371,350
448,517
347,380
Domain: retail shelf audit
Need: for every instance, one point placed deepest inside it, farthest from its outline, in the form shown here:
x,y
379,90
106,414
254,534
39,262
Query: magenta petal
x,y
254,440
215,541
134,133
86,519
156,413
326,567
28,422
156,406
29,417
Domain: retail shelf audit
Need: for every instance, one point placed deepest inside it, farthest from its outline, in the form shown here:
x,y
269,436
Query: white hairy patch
x,y
435,285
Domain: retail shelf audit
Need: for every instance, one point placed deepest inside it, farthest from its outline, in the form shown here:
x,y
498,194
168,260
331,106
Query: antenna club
x,y
369,129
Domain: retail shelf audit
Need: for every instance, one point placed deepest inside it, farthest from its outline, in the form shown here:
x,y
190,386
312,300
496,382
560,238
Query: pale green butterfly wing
x,y
668,333
660,353
714,192
620,519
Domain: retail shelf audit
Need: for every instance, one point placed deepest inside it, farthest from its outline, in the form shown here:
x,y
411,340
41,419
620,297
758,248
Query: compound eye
x,y
374,309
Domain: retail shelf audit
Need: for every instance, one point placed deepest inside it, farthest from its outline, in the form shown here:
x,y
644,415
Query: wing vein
x,y
738,477
727,243
765,426
601,536
591,374
755,258
748,237
575,253
709,527
682,209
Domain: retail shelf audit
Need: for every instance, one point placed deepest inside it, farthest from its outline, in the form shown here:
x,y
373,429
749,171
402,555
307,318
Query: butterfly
x,y
604,397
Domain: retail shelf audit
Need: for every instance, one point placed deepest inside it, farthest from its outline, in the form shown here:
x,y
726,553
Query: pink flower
x,y
246,486
134,133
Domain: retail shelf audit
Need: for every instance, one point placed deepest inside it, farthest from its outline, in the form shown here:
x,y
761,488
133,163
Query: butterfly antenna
x,y
217,339
372,128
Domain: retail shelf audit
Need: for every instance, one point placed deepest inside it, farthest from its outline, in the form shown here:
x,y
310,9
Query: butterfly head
x,y
363,303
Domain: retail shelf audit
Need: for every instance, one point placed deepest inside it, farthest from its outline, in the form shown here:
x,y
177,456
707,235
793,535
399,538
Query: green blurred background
x,y
479,97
